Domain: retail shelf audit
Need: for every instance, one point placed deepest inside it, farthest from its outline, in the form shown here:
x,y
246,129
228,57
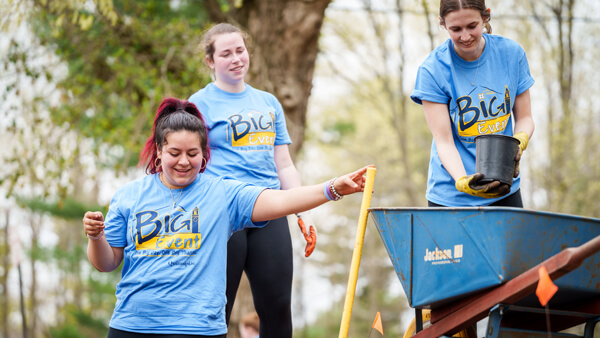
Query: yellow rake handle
x,y
356,255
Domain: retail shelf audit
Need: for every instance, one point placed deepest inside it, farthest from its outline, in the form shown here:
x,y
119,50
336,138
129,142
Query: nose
x,y
183,160
464,36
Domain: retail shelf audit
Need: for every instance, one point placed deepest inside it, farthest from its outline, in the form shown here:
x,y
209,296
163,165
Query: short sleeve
x,y
525,78
427,88
241,198
282,136
116,221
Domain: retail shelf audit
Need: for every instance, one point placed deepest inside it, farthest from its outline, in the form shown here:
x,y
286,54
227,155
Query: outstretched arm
x,y
272,204
102,256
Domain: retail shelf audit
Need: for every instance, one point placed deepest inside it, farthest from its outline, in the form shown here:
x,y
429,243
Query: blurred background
x,y
80,82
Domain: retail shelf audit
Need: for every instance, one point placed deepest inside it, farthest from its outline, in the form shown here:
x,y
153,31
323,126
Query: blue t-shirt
x,y
500,74
244,129
174,271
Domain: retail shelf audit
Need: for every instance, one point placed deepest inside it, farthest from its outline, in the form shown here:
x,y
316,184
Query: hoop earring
x,y
157,162
205,163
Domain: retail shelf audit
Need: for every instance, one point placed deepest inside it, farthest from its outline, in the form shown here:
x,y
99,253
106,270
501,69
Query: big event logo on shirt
x,y
172,232
478,119
252,128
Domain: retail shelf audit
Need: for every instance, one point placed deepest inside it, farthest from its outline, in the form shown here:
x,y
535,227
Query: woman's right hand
x,y
470,184
93,223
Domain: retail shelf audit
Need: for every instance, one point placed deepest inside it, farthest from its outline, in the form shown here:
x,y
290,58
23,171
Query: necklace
x,y
476,69
171,191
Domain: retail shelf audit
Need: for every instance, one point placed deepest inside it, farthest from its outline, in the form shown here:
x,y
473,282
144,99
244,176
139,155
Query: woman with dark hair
x,y
171,227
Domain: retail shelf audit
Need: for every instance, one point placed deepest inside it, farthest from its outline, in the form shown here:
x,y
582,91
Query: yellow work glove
x,y
470,185
523,139
523,142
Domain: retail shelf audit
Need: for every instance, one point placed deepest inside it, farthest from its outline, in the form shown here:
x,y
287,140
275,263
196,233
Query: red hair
x,y
173,115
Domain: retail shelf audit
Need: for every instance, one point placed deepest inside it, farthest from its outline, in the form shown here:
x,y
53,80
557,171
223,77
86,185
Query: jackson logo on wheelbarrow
x,y
437,256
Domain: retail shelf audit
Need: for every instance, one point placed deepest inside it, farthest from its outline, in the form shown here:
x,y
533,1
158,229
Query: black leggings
x,y
266,256
114,333
513,200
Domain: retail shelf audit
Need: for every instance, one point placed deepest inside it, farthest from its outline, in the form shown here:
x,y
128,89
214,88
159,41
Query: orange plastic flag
x,y
545,289
377,324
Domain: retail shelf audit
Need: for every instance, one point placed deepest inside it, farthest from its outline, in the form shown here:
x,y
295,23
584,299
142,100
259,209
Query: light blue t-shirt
x,y
244,129
500,74
174,271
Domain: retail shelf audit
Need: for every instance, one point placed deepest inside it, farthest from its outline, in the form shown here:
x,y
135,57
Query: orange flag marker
x,y
377,324
545,289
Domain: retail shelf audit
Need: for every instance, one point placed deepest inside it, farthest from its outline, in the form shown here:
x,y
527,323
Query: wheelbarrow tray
x,y
443,254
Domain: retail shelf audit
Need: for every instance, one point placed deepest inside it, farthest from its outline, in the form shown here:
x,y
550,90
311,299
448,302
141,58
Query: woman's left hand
x,y
351,183
517,162
523,142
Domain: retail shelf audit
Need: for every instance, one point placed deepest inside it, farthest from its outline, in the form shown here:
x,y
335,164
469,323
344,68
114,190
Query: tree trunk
x,y
285,36
35,230
564,137
22,303
4,277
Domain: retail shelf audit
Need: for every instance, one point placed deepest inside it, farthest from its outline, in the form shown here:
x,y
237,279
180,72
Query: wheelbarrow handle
x,y
456,316
586,249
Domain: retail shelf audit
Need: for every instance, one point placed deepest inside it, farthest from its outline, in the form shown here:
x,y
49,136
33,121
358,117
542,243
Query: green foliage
x,y
100,293
79,324
119,72
67,209
84,319
66,331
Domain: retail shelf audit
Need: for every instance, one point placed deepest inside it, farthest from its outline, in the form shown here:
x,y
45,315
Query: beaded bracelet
x,y
95,238
337,196
326,191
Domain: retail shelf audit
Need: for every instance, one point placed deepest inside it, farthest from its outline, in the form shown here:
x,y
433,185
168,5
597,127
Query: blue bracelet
x,y
326,191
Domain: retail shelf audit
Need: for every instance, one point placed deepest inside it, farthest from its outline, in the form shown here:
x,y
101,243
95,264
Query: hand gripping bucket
x,y
495,157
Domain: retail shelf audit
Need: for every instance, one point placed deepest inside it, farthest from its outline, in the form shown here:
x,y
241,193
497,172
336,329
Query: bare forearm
x,y
102,256
438,120
525,124
523,117
272,204
289,178
451,160
286,170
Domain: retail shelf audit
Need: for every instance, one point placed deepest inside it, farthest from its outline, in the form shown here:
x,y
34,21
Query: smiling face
x,y
230,61
181,159
465,27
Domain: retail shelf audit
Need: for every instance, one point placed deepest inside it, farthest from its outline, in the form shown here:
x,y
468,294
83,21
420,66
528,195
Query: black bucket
x,y
495,157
